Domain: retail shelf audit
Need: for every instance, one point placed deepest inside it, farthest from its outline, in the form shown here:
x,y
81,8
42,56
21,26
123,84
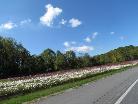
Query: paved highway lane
x,y
104,91
132,96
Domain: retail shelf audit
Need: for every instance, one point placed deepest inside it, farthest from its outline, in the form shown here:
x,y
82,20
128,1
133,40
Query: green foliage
x,y
13,57
15,60
70,59
86,60
60,62
49,57
120,54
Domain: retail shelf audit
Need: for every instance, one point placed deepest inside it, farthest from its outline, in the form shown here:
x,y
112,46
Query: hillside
x,y
120,54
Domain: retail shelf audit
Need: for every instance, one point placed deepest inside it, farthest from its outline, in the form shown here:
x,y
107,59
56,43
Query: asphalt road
x,y
132,96
109,90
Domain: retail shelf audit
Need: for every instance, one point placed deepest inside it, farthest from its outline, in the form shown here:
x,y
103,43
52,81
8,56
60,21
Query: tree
x,y
7,54
70,59
60,62
49,58
37,64
86,60
13,57
23,60
15,60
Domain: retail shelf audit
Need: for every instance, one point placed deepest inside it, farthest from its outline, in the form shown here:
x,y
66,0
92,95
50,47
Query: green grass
x,y
19,99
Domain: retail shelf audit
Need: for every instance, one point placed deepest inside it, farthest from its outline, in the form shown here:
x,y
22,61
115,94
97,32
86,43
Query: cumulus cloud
x,y
72,46
8,25
112,33
51,13
82,48
74,22
25,21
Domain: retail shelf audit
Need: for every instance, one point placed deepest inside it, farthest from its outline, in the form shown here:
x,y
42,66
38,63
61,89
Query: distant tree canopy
x,y
15,60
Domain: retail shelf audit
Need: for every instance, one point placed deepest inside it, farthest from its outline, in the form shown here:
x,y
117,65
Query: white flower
x,y
11,87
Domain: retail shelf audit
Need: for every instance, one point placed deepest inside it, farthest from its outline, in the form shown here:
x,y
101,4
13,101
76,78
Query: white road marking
x,y
127,91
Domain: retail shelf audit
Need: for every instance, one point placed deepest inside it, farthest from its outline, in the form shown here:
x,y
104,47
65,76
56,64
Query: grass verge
x,y
19,99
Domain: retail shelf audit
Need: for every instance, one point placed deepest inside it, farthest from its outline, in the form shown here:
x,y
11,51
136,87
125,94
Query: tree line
x,y
15,60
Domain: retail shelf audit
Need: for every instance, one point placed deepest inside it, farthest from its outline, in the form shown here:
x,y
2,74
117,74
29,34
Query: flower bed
x,y
25,85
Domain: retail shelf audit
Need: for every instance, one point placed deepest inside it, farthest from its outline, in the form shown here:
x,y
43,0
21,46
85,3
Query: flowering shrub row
x,y
18,86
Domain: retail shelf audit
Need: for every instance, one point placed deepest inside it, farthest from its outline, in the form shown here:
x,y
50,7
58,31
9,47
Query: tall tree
x,y
49,57
70,59
86,60
60,62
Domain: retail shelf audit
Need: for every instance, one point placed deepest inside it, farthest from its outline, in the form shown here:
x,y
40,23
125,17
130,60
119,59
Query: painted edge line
x,y
127,91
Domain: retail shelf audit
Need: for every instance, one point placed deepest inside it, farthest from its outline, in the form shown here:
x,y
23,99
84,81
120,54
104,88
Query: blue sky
x,y
92,26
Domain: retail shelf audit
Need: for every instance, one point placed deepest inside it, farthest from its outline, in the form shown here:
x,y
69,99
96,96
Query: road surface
x,y
120,88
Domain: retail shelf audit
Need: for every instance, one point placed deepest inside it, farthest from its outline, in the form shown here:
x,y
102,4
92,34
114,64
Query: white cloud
x,y
25,21
50,15
72,46
88,39
8,25
63,21
69,44
82,48
112,33
75,22
94,35
66,44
